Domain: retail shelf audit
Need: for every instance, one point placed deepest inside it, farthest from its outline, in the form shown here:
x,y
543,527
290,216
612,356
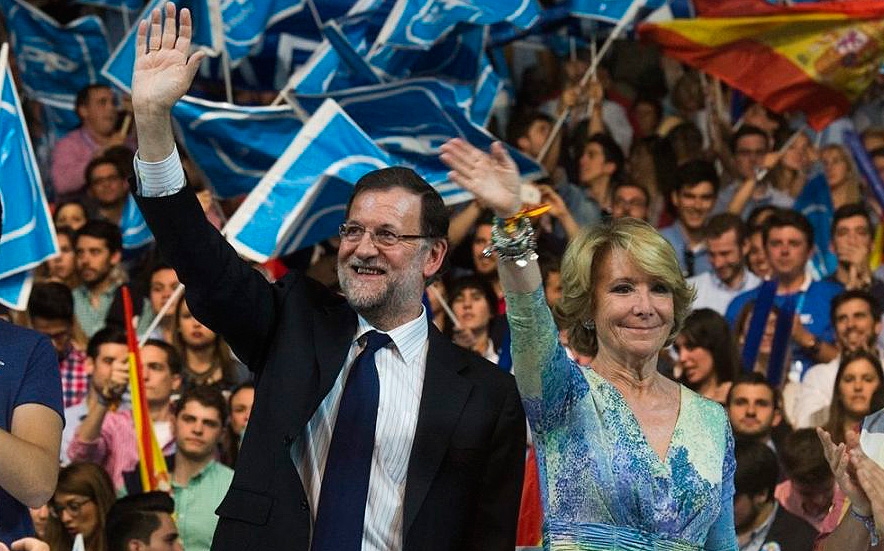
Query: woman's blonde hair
x,y
581,266
852,178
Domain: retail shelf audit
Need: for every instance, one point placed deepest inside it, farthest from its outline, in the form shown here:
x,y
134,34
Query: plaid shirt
x,y
74,380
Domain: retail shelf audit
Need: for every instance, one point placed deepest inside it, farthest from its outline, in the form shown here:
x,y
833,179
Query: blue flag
x,y
421,23
234,146
340,62
28,235
411,119
54,59
244,23
460,56
610,11
815,203
302,199
136,234
16,289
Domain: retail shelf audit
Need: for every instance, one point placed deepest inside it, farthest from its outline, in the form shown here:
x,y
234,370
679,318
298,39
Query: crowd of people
x,y
693,375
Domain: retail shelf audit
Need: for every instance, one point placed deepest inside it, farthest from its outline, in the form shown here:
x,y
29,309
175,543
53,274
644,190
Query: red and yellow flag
x,y
153,470
816,58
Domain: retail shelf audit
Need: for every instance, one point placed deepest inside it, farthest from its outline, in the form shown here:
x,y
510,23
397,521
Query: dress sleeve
x,y
548,380
722,534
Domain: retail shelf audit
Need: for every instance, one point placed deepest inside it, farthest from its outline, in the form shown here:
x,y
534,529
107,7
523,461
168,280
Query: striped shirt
x,y
401,368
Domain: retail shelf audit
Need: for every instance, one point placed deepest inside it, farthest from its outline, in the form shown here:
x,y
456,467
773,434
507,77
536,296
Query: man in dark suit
x,y
443,462
758,518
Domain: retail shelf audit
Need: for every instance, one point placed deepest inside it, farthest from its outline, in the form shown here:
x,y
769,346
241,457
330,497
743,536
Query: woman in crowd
x,y
707,355
82,499
857,393
474,303
240,406
63,266
628,459
790,173
163,282
844,182
207,358
71,213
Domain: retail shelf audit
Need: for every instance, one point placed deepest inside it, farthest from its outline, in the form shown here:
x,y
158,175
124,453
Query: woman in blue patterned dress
x,y
628,459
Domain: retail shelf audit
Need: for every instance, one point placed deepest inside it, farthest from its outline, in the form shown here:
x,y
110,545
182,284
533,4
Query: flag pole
x,y
4,62
448,311
625,21
161,314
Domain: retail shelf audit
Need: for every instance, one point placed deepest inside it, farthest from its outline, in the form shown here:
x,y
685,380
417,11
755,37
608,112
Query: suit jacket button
x,y
304,505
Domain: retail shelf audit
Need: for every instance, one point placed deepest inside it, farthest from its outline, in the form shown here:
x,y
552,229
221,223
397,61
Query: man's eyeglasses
x,y
72,507
353,233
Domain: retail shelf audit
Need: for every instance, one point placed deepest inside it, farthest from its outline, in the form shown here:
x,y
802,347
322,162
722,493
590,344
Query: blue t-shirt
x,y
28,375
813,309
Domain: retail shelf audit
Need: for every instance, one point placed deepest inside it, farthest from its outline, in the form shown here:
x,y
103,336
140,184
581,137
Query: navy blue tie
x,y
342,498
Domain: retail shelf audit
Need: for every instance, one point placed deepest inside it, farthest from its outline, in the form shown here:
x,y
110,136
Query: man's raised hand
x,y
164,66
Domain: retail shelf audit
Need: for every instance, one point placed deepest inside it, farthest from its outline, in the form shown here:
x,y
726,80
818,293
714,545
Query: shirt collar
x,y
761,531
84,291
210,466
408,337
721,285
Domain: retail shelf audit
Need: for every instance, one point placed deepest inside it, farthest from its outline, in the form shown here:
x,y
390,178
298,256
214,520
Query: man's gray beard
x,y
389,303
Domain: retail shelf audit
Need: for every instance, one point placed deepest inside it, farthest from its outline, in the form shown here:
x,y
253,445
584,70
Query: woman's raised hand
x,y
493,179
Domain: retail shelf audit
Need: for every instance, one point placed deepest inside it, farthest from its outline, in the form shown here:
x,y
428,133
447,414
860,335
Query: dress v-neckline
x,y
661,460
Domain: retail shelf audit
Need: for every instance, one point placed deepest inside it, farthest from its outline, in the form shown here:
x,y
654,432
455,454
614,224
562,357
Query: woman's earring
x,y
589,325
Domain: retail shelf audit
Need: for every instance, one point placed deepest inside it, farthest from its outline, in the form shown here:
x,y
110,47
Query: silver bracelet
x,y
518,246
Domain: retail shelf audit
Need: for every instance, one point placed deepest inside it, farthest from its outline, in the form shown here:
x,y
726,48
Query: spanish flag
x,y
152,464
816,58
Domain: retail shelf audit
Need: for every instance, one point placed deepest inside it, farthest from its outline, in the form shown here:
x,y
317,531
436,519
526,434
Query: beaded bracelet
x,y
513,240
869,523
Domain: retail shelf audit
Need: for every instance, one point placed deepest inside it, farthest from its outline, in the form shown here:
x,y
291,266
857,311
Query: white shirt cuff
x,y
161,178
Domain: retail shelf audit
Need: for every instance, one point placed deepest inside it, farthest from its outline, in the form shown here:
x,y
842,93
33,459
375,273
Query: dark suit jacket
x,y
792,532
466,466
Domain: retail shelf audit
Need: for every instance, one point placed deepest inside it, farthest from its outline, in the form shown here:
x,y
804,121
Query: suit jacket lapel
x,y
442,399
334,328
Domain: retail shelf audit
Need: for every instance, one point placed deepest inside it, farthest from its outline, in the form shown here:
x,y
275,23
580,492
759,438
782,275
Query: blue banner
x,y
234,146
302,199
54,59
421,23
16,289
28,237
610,11
411,119
136,234
815,203
245,22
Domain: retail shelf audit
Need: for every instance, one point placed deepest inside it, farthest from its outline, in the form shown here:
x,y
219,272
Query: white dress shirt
x,y
713,293
401,370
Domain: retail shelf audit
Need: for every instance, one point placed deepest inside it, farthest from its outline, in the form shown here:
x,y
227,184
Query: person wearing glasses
x,y
369,429
751,147
82,499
